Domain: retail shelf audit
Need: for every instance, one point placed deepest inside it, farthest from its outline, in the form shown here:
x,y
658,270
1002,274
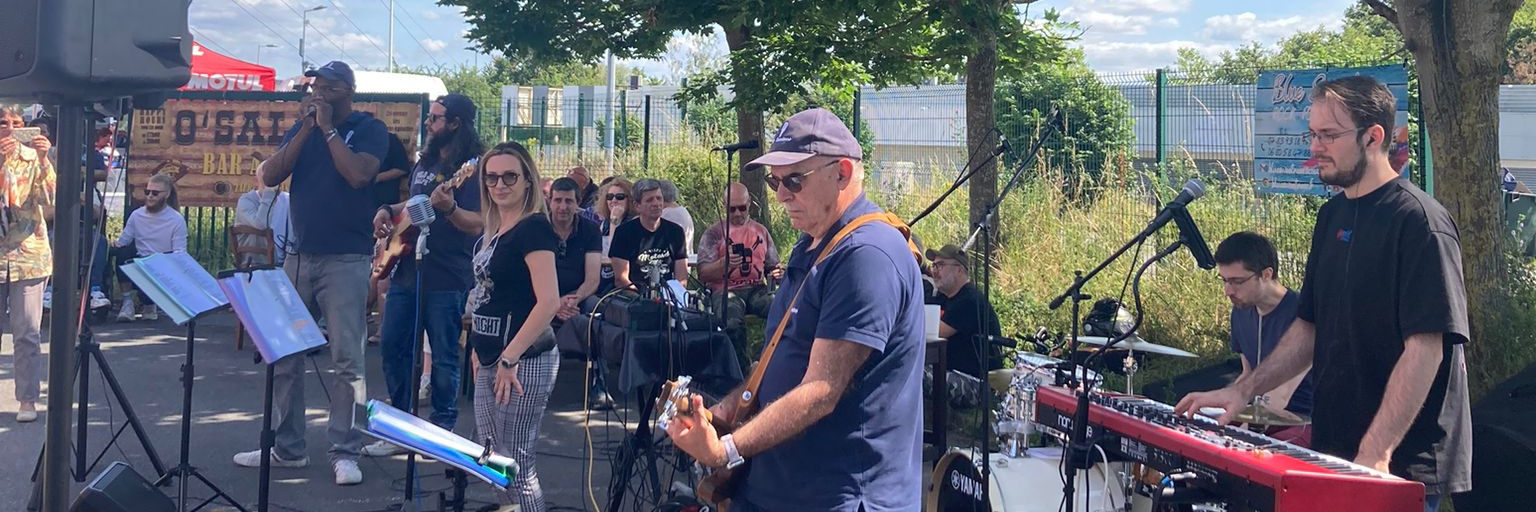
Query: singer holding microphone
x,y
516,294
332,155
444,270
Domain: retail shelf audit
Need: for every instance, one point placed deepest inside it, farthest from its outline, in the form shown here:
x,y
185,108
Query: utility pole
x,y
258,50
303,34
608,116
391,36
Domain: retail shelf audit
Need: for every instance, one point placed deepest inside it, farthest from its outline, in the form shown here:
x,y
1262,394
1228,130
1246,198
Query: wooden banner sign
x,y
212,146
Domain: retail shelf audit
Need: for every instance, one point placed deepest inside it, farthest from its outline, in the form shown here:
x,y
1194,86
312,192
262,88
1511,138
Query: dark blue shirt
x,y
446,264
1245,341
867,452
329,215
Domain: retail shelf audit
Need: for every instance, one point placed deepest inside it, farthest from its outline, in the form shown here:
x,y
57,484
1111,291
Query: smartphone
x,y
25,135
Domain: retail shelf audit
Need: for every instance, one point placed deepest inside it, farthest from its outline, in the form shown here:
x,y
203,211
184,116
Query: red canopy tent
x,y
212,71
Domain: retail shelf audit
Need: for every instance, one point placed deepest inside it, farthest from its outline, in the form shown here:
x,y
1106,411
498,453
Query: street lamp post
x,y
258,50
304,33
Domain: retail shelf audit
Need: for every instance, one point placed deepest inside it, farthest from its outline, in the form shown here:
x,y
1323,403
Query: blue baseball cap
x,y
334,70
809,133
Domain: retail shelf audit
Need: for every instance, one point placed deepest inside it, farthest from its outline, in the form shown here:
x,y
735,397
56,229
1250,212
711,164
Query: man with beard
x,y
444,272
1382,315
1262,310
332,154
968,349
153,228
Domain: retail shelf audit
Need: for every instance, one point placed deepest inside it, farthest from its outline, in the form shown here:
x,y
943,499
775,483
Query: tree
x,y
1096,114
1459,51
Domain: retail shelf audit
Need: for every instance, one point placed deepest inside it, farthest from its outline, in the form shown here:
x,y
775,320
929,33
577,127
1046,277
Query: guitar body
x,y
717,485
401,243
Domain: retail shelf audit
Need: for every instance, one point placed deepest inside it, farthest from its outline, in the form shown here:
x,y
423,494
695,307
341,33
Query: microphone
x,y
1176,211
419,210
746,144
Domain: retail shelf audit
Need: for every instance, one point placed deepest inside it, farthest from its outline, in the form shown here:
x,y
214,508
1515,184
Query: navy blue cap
x,y
809,133
458,106
334,70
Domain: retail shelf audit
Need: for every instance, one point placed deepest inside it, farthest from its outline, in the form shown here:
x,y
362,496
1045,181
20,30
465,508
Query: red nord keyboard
x,y
1246,470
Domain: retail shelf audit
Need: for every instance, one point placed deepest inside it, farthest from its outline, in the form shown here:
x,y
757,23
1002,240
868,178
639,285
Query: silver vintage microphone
x,y
418,209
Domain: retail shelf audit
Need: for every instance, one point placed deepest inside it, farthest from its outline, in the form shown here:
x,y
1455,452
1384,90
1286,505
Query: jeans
x,y
99,264
743,301
1431,503
334,286
442,319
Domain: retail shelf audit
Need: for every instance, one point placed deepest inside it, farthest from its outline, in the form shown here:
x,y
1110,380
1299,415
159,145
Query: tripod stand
x,y
184,468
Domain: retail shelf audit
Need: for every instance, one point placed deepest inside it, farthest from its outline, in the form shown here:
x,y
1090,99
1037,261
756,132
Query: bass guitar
x,y
401,242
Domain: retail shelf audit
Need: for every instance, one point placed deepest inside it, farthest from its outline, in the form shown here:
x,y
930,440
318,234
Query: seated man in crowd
x,y
737,266
648,243
577,264
961,305
154,227
263,207
677,213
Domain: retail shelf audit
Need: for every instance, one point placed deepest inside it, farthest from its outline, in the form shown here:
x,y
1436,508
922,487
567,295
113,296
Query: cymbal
x,y
1000,379
1260,415
1137,344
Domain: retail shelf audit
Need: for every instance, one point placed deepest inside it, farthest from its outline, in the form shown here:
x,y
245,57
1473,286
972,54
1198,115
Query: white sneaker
x,y
347,472
126,313
424,393
151,312
99,300
48,298
382,449
252,459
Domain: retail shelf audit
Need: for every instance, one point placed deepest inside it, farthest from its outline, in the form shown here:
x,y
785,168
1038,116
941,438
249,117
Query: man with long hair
x,y
444,272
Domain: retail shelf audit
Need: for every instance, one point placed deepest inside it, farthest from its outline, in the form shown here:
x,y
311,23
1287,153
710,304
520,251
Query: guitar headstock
x,y
464,172
675,399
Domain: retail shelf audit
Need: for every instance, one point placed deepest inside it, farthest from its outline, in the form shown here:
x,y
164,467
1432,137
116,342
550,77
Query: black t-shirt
x,y
964,349
445,266
633,243
1245,341
388,191
1383,267
504,286
571,254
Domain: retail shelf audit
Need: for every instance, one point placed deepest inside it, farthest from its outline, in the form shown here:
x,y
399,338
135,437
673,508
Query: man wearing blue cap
x,y
332,155
840,427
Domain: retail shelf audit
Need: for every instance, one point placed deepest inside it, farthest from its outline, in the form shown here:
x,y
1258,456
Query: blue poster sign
x,y
1282,160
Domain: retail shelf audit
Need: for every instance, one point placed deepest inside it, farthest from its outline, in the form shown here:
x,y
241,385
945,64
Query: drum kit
x,y
1026,472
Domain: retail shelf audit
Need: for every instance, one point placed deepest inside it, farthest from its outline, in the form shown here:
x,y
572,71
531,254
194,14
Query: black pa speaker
x,y
120,489
93,49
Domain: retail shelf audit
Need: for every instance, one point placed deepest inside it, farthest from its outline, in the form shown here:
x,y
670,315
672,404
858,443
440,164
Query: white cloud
x,y
433,45
1116,56
1248,27
429,15
1133,6
1109,23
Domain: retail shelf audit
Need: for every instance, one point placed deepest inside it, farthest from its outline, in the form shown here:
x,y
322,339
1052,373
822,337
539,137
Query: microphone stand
x,y
725,286
986,227
1079,444
417,339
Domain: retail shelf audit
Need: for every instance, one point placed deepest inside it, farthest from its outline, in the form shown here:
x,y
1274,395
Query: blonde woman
x,y
514,298
616,205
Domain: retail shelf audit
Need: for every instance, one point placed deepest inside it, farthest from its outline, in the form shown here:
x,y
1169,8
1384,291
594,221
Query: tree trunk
x,y
980,87
1458,48
749,126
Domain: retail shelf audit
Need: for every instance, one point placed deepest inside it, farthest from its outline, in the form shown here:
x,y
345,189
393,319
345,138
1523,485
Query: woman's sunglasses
x,y
616,197
506,178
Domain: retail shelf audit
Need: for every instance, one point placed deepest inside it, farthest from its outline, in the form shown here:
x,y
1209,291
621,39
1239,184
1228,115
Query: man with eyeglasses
x,y
840,427
740,266
961,304
444,271
1262,310
648,244
1382,314
332,154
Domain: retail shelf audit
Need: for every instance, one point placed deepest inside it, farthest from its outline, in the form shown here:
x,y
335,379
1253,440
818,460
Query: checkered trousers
x,y
514,427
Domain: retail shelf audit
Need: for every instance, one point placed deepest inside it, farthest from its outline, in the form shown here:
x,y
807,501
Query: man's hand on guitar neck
x,y
695,435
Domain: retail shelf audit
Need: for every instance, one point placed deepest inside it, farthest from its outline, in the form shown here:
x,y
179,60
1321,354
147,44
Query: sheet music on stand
x,y
177,284
269,307
412,433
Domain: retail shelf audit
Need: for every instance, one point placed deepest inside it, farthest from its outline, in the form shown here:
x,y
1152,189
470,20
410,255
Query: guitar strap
x,y
748,396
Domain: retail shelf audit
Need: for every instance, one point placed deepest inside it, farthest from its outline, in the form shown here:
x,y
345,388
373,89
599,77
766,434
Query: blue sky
x,y
1119,35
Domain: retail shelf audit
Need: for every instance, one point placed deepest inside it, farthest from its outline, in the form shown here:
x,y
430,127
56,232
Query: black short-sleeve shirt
x,y
1383,267
641,247
504,285
571,254
965,348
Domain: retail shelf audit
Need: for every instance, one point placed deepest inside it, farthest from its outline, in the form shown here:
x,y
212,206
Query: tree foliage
x,y
1097,115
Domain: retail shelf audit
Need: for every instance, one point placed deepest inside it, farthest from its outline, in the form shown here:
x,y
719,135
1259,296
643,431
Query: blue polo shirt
x,y
867,452
329,215
446,264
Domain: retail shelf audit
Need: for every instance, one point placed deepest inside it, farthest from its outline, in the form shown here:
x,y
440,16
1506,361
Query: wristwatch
x,y
732,457
504,363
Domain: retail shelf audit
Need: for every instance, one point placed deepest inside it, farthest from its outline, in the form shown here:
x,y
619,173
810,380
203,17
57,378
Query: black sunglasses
x,y
149,192
616,197
794,181
506,178
741,208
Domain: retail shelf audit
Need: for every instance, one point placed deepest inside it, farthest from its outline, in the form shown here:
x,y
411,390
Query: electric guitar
x,y
401,242
718,484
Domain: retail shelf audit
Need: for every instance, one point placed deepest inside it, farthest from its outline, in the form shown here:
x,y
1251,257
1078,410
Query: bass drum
x,y
1026,484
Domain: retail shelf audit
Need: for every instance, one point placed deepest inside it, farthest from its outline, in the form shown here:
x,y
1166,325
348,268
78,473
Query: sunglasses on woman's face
x,y
617,197
507,178
794,181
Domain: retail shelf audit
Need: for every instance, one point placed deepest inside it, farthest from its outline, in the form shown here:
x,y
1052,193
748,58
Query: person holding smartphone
x,y
26,196
739,267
